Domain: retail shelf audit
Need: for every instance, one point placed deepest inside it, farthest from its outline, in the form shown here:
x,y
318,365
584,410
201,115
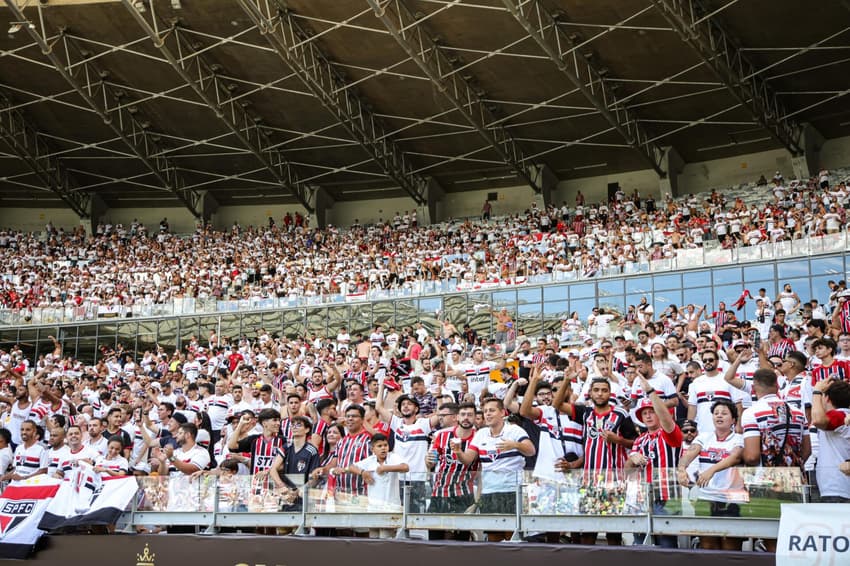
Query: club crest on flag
x,y
13,512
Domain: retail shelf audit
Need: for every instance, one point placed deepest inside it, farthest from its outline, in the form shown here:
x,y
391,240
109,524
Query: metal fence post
x,y
302,531
517,534
402,532
650,501
212,528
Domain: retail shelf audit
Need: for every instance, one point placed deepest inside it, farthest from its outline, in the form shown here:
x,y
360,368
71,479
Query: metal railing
x,y
578,501
707,256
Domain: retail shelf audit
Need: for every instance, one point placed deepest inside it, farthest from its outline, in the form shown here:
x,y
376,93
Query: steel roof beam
x,y
203,78
290,41
585,76
424,51
30,147
724,56
90,83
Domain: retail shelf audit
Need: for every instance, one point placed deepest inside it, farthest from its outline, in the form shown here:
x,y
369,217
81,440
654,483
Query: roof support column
x,y
431,212
95,210
209,206
323,201
672,163
546,180
808,162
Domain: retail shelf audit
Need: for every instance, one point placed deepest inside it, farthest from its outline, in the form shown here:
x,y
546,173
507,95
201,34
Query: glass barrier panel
x,y
735,492
586,492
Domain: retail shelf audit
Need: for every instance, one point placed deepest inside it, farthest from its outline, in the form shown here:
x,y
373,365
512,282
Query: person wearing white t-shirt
x,y
381,472
477,371
187,459
191,368
831,414
709,387
30,457
410,432
719,451
501,448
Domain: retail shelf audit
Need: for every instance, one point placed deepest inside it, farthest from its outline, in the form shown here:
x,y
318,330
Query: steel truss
x,y
290,41
722,54
206,80
90,83
464,96
585,76
32,149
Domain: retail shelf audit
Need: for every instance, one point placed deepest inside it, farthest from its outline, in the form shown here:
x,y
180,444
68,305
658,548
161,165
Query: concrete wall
x,y
595,189
720,173
253,215
509,200
34,220
695,177
179,219
369,211
835,153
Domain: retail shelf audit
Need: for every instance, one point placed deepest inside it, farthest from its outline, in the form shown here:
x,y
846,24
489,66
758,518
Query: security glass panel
x,y
665,282
189,327
792,269
166,334
697,296
820,289
250,324
828,266
317,320
614,304
500,298
383,313
455,309
147,337
582,291
556,292
361,319
639,285
758,272
556,310
696,278
294,323
273,322
127,336
530,319
531,295
428,311
230,328
727,275
611,287
209,327
406,314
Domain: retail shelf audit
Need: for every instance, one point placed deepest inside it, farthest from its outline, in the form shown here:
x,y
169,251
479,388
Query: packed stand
x,y
125,266
698,404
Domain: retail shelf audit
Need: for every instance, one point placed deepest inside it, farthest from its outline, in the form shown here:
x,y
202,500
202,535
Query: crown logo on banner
x,y
146,558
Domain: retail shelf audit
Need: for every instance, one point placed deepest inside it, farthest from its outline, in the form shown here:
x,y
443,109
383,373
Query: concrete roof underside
x,y
800,52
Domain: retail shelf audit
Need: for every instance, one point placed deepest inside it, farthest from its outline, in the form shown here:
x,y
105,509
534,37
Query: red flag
x,y
742,300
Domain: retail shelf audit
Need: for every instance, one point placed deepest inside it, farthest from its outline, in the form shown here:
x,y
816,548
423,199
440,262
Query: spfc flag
x,y
22,505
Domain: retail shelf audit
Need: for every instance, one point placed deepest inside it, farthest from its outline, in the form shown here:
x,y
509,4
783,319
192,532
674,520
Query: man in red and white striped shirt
x,y
354,446
829,368
454,481
657,451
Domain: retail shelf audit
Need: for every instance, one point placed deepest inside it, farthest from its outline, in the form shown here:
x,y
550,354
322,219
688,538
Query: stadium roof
x,y
274,99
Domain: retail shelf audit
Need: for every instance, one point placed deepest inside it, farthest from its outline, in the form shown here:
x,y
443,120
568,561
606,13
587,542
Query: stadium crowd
x,y
680,400
129,265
